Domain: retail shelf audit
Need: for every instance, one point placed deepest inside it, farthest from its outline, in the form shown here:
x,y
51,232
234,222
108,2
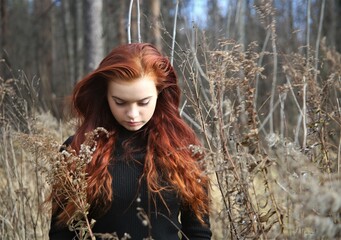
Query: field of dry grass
x,y
276,166
274,157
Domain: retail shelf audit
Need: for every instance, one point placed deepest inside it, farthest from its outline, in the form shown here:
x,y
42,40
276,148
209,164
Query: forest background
x,y
261,84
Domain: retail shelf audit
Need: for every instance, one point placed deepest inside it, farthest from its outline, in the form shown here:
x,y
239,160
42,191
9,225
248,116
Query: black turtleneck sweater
x,y
132,201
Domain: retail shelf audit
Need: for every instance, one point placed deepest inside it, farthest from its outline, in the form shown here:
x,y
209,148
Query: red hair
x,y
169,137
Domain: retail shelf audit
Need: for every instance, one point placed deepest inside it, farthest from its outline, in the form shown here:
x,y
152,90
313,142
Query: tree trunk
x,y
43,53
337,24
241,23
78,40
67,39
291,27
213,11
93,34
122,29
156,20
133,25
3,12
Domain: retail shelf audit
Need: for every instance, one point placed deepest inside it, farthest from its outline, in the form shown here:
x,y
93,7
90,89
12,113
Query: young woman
x,y
144,180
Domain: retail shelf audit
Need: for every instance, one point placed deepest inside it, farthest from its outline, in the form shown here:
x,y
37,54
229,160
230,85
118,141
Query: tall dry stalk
x,y
260,180
23,189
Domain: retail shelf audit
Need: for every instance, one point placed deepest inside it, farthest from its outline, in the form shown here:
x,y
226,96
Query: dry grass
x,y
269,180
278,180
23,188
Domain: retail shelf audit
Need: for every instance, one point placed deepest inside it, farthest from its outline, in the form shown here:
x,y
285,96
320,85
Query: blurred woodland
x,y
57,42
261,86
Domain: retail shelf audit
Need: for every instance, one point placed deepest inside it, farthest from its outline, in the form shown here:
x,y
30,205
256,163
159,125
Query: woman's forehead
x,y
138,89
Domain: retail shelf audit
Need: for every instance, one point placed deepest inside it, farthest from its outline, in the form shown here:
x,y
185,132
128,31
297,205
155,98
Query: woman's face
x,y
132,103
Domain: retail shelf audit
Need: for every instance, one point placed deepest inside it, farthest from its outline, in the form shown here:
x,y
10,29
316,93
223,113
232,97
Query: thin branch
x,y
293,94
304,115
195,124
302,111
198,68
297,131
174,30
339,147
183,107
339,157
260,61
269,116
274,79
282,98
138,21
129,20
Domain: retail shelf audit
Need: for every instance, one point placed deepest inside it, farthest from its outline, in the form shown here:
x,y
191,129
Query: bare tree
x,y
240,18
93,34
78,40
43,32
156,20
122,32
3,16
69,50
215,19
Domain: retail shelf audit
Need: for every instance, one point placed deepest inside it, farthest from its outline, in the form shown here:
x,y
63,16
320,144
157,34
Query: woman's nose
x,y
133,112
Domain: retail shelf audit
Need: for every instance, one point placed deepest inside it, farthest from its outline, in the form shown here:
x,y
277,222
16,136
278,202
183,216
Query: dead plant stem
x,y
89,227
174,30
138,21
38,191
266,119
293,94
223,139
282,98
304,110
10,189
273,199
338,156
339,147
201,117
129,20
319,38
274,79
233,228
325,150
260,62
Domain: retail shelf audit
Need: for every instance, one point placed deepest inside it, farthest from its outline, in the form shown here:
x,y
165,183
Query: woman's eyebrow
x,y
120,99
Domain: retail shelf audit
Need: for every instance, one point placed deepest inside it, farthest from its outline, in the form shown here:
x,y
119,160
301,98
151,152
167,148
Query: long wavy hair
x,y
169,137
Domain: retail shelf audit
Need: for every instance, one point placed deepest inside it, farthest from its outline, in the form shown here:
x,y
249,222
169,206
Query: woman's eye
x,y
143,103
119,103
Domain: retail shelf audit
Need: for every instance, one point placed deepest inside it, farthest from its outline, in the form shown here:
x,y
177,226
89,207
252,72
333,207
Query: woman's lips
x,y
133,124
